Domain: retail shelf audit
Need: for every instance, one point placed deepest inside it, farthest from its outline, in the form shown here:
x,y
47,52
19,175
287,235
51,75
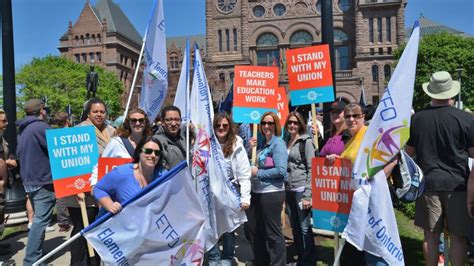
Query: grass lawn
x,y
410,235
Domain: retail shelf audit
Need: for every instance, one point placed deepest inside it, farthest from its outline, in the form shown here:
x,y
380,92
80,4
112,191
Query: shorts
x,y
435,210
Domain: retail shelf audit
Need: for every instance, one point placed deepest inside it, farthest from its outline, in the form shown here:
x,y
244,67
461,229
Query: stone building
x,y
103,35
253,32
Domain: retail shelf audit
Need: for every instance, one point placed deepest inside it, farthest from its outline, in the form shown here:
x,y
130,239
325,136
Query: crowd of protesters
x,y
441,139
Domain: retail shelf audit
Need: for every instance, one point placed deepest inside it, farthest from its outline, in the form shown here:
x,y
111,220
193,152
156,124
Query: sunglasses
x,y
139,120
290,122
149,151
222,125
267,123
355,116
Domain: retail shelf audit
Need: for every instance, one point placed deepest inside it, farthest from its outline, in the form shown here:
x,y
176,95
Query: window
x,y
372,51
379,29
380,51
174,61
344,5
93,38
227,40
77,40
371,30
219,32
88,39
267,39
258,11
389,50
99,56
387,72
125,61
318,6
82,39
267,50
235,39
98,38
375,73
78,57
341,43
279,10
388,29
268,58
301,37
92,57
84,58
226,6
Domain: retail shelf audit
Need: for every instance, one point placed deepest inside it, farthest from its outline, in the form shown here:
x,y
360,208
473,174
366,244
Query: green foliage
x,y
408,209
444,52
63,82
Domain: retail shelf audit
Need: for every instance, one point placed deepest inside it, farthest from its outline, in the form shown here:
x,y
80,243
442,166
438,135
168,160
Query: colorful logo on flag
x,y
191,251
202,154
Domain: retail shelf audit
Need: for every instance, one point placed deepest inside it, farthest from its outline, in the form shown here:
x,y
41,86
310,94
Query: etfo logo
x,y
312,95
79,184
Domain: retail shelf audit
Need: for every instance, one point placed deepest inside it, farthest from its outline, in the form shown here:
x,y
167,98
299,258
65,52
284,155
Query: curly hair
x,y
125,130
230,139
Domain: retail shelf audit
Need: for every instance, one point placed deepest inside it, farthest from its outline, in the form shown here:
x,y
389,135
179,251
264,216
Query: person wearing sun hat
x,y
442,138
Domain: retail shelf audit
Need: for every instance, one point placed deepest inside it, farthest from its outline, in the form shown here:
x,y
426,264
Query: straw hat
x,y
441,86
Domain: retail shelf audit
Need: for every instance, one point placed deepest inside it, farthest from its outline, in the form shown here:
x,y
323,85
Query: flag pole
x,y
137,67
56,250
186,101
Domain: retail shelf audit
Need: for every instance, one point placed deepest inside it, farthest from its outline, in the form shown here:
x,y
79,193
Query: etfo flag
x,y
181,99
219,197
162,225
372,226
155,74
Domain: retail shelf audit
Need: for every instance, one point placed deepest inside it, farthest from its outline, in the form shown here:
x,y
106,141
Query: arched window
x,y
77,40
375,73
341,42
174,61
88,39
387,72
93,38
301,37
318,6
344,5
267,50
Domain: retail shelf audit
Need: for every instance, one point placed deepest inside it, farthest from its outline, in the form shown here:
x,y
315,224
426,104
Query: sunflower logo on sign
x,y
79,184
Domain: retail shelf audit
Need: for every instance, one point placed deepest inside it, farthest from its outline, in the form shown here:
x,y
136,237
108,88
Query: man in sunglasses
x,y
172,136
36,174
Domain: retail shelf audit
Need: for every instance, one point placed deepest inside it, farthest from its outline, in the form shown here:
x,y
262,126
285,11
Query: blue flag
x,y
226,105
155,74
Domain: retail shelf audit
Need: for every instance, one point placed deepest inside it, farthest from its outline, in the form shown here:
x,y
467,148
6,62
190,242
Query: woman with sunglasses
x,y
126,180
238,167
301,150
268,194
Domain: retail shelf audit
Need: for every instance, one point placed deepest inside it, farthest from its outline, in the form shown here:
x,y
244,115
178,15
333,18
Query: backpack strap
x,y
128,146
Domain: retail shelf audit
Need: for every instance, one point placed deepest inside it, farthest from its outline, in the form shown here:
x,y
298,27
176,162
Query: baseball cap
x,y
33,106
337,106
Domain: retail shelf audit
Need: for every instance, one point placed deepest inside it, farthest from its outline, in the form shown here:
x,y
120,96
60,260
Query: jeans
x,y
61,213
302,229
43,201
228,247
373,260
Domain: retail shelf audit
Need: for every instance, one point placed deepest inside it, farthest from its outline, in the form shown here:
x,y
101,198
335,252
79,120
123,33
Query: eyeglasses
x,y
225,126
135,120
3,120
149,151
264,123
168,120
355,116
292,122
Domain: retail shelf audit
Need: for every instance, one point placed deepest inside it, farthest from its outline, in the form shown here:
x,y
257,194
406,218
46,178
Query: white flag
x,y
219,196
155,74
162,225
372,226
181,99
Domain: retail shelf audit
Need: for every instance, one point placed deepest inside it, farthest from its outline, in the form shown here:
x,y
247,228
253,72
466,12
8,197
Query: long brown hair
x,y
125,131
276,119
301,122
230,139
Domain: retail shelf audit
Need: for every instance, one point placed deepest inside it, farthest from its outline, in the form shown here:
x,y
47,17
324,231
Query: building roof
x,y
117,21
180,42
428,27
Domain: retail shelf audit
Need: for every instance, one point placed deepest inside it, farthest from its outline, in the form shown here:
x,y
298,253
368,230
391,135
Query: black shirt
x,y
441,136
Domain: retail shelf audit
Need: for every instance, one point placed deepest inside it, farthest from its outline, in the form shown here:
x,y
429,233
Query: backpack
x,y
408,179
302,148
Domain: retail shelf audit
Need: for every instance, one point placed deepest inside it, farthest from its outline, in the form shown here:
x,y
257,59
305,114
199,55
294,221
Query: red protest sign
x,y
331,185
282,105
309,67
254,92
107,164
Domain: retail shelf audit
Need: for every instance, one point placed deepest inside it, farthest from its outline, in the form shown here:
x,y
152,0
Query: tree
x,y
63,82
446,52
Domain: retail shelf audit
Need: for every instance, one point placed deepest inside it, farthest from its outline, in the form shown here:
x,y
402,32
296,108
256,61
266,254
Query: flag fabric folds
x,y
162,225
372,225
219,197
181,99
226,105
155,74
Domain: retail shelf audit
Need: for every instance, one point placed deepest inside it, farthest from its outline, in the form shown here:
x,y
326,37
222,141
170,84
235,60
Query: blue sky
x,y
39,24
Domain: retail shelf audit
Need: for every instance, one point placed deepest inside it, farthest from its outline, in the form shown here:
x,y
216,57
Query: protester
x,y
4,248
35,173
124,181
61,119
442,138
172,136
301,150
96,111
135,126
268,195
238,167
337,135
